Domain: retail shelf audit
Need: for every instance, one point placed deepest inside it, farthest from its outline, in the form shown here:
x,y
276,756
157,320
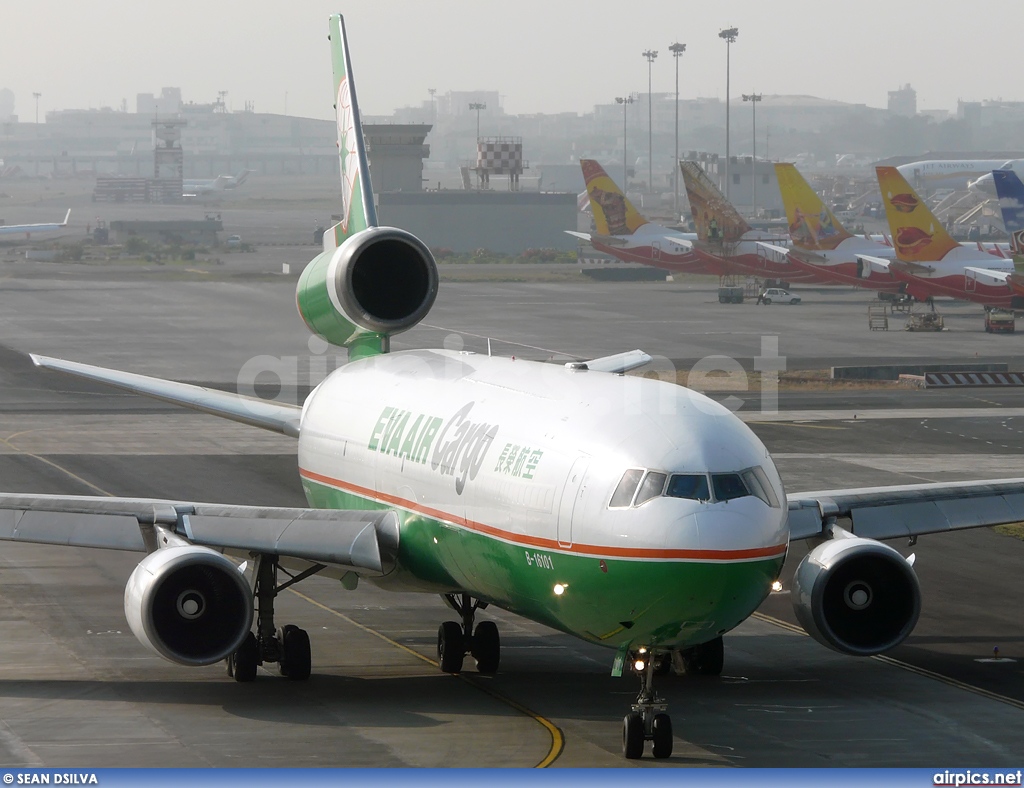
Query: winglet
x,y
358,211
811,224
66,217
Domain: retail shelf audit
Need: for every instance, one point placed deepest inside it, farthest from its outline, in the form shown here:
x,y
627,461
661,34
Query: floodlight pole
x,y
677,51
753,98
729,34
651,55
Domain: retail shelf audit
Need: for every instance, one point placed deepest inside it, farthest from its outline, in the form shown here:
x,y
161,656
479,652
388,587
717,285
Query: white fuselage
x,y
529,454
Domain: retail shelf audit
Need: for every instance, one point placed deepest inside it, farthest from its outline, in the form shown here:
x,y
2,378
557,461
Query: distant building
x,y
903,101
6,105
167,103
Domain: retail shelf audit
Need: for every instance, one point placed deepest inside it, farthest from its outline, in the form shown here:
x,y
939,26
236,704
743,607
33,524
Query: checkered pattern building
x,y
501,156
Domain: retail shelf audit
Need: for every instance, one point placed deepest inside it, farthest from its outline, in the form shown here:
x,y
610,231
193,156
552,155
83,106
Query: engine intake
x,y
379,281
189,604
857,596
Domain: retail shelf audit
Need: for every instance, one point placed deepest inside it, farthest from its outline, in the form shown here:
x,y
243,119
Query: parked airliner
x,y
632,513
30,231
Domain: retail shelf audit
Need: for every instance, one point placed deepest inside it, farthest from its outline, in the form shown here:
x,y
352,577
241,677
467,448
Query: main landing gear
x,y
287,646
648,720
455,640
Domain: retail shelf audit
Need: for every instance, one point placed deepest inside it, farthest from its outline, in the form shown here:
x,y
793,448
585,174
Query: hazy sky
x,y
541,55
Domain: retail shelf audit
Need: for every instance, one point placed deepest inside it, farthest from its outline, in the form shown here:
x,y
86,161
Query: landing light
x,y
639,665
776,586
559,588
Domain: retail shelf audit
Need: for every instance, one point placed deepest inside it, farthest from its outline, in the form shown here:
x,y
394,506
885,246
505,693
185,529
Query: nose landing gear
x,y
648,720
455,640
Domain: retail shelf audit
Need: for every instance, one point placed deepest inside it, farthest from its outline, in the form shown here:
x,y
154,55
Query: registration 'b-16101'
x,y
632,513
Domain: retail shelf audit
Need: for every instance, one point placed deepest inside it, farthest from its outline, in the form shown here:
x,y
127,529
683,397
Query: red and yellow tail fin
x,y
916,234
811,224
614,214
714,216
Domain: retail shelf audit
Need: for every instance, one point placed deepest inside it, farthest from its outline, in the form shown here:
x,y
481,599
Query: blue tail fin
x,y
1011,203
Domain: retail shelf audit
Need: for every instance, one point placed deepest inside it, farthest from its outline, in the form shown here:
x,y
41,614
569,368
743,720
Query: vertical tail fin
x,y
614,214
1011,202
916,234
357,209
811,224
714,216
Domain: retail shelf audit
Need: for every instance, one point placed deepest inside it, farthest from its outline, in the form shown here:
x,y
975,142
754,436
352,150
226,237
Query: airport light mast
x,y
477,105
729,34
677,51
753,98
651,55
624,101
37,96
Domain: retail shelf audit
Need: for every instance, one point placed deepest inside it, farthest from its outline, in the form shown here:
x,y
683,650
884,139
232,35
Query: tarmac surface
x,y
77,689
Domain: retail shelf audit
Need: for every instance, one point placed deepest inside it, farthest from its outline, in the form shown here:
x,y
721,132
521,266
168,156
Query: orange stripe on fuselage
x,y
773,551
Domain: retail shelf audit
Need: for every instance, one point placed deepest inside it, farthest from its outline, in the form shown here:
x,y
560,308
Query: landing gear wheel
x,y
707,659
451,649
296,659
242,664
633,736
486,647
661,733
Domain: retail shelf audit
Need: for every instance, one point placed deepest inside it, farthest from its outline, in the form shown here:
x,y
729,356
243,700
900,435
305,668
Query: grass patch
x,y
1016,530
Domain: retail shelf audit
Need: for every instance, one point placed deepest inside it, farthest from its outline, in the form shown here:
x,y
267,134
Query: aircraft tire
x,y
633,736
487,647
244,661
451,650
661,731
296,657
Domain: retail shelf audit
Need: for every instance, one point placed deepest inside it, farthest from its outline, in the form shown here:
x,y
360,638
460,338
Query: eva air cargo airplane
x,y
631,513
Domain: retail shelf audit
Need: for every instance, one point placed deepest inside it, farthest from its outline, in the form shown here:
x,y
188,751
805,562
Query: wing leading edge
x,y
909,510
361,540
273,416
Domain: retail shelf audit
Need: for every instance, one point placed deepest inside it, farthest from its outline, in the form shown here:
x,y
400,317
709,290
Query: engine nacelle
x,y
380,281
189,604
857,596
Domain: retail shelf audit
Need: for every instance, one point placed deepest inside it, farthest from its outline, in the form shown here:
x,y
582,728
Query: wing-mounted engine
x,y
379,282
855,595
189,604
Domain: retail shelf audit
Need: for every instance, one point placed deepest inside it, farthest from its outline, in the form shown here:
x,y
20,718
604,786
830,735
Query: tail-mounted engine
x,y
857,596
189,604
379,282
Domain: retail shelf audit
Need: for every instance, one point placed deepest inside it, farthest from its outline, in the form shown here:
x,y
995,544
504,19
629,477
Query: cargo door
x,y
572,492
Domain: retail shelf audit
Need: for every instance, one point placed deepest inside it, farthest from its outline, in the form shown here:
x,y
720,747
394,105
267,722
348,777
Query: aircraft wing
x,y
910,267
773,252
581,236
363,540
874,263
617,364
806,255
988,275
908,510
273,416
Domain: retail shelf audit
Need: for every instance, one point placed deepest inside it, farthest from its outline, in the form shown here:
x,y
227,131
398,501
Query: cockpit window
x,y
652,487
627,485
689,485
757,482
728,486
